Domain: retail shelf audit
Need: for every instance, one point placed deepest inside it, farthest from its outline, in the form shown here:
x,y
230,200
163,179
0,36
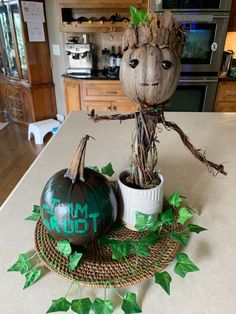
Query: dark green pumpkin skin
x,y
79,212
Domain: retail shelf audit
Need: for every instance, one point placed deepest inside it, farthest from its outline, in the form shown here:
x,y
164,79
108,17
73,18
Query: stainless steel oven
x,y
204,40
191,5
194,93
205,25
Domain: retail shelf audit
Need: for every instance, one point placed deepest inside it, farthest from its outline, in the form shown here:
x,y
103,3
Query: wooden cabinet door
x,y
123,2
14,103
225,106
226,91
102,91
72,94
79,1
96,105
124,106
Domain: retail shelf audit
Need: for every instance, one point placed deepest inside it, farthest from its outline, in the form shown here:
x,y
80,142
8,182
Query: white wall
x,y
58,62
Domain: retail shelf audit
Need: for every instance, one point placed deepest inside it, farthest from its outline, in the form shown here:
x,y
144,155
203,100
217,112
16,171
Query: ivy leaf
x,y
143,16
74,260
81,306
95,168
175,199
139,248
36,209
184,215
22,264
196,228
31,277
138,16
102,306
182,238
59,305
33,217
134,15
36,214
103,241
108,170
163,279
129,303
166,218
64,247
150,238
184,265
144,222
120,249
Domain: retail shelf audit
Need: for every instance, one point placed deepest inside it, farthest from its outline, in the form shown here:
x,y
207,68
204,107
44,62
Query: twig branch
x,y
195,152
95,117
169,125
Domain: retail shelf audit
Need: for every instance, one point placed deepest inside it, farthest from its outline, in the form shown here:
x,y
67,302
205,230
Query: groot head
x,y
150,66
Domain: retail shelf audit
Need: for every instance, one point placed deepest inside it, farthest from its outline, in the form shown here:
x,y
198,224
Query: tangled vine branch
x,y
169,125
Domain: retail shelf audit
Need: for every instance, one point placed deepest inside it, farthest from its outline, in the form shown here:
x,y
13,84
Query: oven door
x,y
204,41
191,5
194,94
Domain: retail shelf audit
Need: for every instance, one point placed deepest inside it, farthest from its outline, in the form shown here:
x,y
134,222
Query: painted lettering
x,y
45,207
94,217
54,202
46,224
81,225
68,226
54,224
83,210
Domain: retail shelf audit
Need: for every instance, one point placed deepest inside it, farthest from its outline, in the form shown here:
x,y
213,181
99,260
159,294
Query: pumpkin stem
x,y
76,168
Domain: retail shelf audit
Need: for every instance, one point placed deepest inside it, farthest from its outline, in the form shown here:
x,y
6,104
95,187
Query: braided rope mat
x,y
97,268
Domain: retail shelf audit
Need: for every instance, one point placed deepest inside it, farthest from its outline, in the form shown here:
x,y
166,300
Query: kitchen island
x,y
209,291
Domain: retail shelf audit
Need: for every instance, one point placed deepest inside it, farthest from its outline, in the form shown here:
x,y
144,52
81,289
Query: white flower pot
x,y
146,201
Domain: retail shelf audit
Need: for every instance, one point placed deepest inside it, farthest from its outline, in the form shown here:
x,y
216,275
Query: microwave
x,y
191,5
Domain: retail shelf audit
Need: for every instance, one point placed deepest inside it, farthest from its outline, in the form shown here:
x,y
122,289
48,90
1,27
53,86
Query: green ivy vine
x,y
156,228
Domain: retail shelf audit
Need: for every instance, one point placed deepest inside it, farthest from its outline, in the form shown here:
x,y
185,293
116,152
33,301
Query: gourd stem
x,y
76,168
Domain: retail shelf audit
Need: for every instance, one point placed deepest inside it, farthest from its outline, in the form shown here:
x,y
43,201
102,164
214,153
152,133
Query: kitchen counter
x,y
212,289
95,76
227,78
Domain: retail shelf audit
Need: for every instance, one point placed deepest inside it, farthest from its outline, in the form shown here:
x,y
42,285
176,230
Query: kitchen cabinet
x,y
67,9
72,94
105,95
101,95
226,97
232,18
25,69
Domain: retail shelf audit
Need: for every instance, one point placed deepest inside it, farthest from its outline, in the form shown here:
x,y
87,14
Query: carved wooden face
x,y
149,75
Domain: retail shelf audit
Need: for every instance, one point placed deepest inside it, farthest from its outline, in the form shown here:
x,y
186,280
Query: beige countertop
x,y
209,291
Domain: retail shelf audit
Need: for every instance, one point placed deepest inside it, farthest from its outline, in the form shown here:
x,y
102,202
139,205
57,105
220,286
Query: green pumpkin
x,y
78,204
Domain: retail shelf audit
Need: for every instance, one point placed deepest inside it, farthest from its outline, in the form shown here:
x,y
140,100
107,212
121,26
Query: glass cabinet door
x,y
2,56
8,44
14,9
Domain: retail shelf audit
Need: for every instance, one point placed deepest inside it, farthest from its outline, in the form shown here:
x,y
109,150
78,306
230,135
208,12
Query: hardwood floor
x,y
16,155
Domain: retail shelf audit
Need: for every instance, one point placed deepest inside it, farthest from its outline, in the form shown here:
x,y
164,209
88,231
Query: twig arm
x,y
95,117
195,152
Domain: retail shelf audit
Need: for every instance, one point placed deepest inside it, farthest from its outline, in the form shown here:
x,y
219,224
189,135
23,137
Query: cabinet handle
x,y
109,108
111,92
115,108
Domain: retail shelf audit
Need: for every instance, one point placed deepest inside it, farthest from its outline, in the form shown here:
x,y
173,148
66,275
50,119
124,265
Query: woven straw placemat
x,y
97,268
